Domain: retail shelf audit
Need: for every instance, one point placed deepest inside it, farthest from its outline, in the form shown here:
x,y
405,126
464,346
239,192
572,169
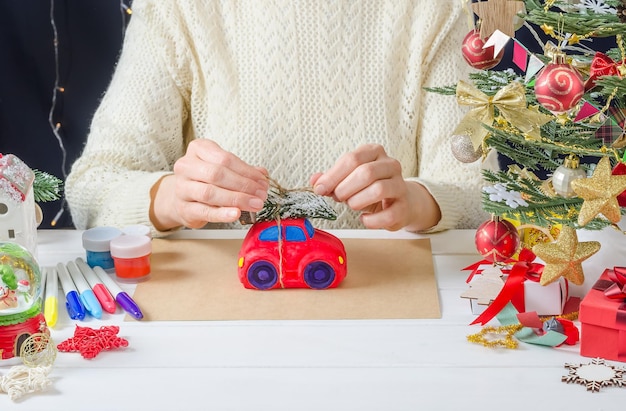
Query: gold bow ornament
x,y
510,101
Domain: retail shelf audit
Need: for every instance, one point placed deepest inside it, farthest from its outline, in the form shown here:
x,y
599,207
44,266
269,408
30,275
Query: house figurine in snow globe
x,y
18,222
21,318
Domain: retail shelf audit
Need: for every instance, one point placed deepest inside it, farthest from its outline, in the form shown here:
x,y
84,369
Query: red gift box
x,y
603,321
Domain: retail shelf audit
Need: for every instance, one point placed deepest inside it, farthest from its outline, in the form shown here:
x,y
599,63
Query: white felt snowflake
x,y
594,6
498,193
595,375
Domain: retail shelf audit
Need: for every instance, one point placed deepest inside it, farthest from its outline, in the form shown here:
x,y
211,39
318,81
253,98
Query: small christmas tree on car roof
x,y
300,203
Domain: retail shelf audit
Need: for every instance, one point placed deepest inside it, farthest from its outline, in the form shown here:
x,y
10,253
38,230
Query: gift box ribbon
x,y
603,65
513,291
615,289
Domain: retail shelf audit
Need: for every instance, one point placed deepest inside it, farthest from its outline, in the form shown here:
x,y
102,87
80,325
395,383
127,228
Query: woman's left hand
x,y
370,181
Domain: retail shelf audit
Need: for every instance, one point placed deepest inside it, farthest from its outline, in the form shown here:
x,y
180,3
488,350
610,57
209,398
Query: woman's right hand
x,y
208,185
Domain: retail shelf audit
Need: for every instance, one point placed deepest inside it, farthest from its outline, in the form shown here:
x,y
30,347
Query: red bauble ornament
x,y
618,170
497,240
477,56
559,86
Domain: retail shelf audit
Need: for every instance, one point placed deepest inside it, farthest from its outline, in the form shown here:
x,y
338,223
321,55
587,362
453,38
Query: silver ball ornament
x,y
563,176
463,149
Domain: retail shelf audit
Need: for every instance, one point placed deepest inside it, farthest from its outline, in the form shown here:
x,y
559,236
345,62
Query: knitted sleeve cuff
x,y
447,200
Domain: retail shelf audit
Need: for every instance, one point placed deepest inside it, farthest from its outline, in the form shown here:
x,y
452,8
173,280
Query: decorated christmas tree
x,y
557,115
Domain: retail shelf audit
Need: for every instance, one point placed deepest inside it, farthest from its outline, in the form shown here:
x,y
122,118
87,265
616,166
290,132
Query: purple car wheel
x,y
262,275
319,275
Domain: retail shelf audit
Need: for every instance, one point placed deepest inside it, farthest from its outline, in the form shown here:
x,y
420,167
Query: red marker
x,y
102,293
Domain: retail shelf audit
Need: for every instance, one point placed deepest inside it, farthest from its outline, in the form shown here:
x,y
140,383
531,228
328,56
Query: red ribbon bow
x,y
602,65
617,290
513,290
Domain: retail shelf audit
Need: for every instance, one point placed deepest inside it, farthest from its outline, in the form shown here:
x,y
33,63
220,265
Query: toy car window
x,y
309,228
269,234
294,234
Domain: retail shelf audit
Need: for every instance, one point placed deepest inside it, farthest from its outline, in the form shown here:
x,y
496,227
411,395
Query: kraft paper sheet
x,y
197,280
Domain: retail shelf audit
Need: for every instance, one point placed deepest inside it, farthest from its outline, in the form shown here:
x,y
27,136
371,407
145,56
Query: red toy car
x,y
305,257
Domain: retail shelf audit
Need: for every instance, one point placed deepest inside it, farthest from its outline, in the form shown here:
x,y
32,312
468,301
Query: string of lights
x,y
56,126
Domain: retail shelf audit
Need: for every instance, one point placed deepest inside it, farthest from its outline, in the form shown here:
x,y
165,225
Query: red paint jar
x,y
131,257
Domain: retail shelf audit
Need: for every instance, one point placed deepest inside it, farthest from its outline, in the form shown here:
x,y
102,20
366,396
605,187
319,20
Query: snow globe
x,y
21,318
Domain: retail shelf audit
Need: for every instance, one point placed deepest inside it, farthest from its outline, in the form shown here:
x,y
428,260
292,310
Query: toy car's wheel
x,y
262,275
319,275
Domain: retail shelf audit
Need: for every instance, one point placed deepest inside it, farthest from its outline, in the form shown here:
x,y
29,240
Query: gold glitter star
x,y
600,193
498,15
564,257
549,30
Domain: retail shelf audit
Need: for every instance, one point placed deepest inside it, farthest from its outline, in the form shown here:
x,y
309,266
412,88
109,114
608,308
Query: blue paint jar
x,y
97,244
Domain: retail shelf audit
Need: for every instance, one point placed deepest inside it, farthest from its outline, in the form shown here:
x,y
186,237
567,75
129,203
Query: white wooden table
x,y
311,365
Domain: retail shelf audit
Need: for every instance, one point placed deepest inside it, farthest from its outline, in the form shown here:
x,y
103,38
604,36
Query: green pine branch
x,y
542,210
587,22
557,142
285,204
46,187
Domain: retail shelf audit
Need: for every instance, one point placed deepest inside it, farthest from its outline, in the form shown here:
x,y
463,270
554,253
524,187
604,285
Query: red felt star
x,y
90,342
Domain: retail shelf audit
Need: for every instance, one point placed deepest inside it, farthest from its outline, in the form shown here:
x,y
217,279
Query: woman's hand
x,y
370,181
208,185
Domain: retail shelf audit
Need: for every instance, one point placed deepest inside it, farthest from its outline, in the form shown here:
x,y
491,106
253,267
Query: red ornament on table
x,y
618,170
476,56
559,86
497,240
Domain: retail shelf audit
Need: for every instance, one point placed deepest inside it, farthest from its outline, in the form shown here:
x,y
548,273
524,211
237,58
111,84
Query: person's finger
x,y
368,177
347,163
216,196
211,153
388,217
197,215
375,193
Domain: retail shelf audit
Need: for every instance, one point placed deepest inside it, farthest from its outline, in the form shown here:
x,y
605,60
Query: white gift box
x,y
545,300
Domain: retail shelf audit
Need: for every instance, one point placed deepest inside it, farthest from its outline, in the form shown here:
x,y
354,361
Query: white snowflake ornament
x,y
595,375
594,6
498,193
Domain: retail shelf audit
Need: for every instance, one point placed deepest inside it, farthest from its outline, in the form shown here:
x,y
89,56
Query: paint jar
x,y
131,256
97,244
137,229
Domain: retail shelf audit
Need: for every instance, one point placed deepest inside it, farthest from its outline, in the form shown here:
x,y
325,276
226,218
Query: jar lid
x,y
131,246
98,238
137,229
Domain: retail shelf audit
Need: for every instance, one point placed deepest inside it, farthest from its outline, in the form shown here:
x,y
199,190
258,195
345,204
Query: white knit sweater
x,y
289,85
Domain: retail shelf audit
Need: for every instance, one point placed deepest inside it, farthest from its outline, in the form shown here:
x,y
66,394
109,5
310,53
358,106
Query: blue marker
x,y
74,307
86,294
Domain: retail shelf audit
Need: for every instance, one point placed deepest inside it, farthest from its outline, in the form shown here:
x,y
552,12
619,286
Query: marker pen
x,y
74,307
85,293
51,301
122,298
102,293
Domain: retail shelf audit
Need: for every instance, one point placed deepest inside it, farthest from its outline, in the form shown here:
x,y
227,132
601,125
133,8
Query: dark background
x,y
90,36
89,39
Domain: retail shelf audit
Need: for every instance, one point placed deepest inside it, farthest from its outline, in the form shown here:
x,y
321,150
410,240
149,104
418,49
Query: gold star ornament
x,y
563,258
600,193
498,15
